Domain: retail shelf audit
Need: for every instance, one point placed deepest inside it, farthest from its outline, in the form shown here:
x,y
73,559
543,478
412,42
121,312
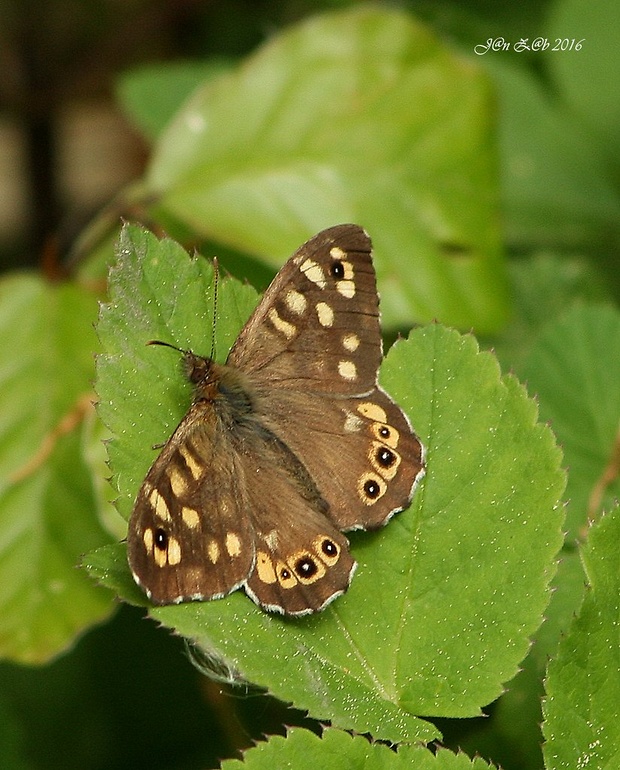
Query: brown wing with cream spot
x,y
222,509
361,452
317,326
302,560
187,539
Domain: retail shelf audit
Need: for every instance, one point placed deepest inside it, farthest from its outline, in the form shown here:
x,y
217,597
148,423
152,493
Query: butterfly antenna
x,y
165,345
216,284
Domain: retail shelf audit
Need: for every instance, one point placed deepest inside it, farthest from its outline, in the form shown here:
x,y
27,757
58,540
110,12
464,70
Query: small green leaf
x,y
49,502
574,369
337,750
445,598
355,116
582,707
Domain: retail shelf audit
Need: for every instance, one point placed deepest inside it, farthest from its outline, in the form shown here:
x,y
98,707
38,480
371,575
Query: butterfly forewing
x,y
187,528
317,327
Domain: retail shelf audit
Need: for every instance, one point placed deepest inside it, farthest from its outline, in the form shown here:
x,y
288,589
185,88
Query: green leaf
x,y
445,598
574,368
514,726
575,71
49,504
152,94
557,189
336,749
543,286
582,707
359,116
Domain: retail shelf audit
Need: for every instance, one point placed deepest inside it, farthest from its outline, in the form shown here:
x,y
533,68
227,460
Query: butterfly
x,y
286,446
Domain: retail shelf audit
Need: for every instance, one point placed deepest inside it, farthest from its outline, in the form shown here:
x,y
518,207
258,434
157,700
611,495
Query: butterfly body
x,y
284,447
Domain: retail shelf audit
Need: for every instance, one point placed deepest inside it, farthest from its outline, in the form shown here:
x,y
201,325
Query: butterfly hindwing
x,y
302,560
360,451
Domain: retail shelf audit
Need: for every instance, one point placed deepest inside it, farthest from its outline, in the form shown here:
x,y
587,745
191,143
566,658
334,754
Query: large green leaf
x,y
582,707
445,598
574,369
575,70
556,184
49,504
361,116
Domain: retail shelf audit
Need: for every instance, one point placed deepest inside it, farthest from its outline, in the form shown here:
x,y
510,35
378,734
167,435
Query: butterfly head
x,y
198,369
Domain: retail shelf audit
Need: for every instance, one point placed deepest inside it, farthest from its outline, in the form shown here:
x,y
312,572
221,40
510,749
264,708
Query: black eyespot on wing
x,y
306,567
329,548
337,270
372,489
161,539
385,457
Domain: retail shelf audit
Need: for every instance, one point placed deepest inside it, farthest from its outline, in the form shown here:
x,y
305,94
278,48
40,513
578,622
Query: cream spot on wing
x,y
284,327
295,302
147,539
346,288
271,538
233,544
160,506
195,468
213,551
314,272
350,342
264,568
190,517
161,557
372,411
178,482
325,314
347,370
174,551
352,423
337,253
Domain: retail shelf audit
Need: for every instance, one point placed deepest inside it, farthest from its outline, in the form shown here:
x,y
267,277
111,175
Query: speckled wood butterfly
x,y
284,447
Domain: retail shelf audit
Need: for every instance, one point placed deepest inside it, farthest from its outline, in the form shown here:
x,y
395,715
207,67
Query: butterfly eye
x,y
337,270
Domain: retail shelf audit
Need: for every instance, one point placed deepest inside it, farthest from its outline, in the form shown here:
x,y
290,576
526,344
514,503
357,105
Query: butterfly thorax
x,y
222,386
